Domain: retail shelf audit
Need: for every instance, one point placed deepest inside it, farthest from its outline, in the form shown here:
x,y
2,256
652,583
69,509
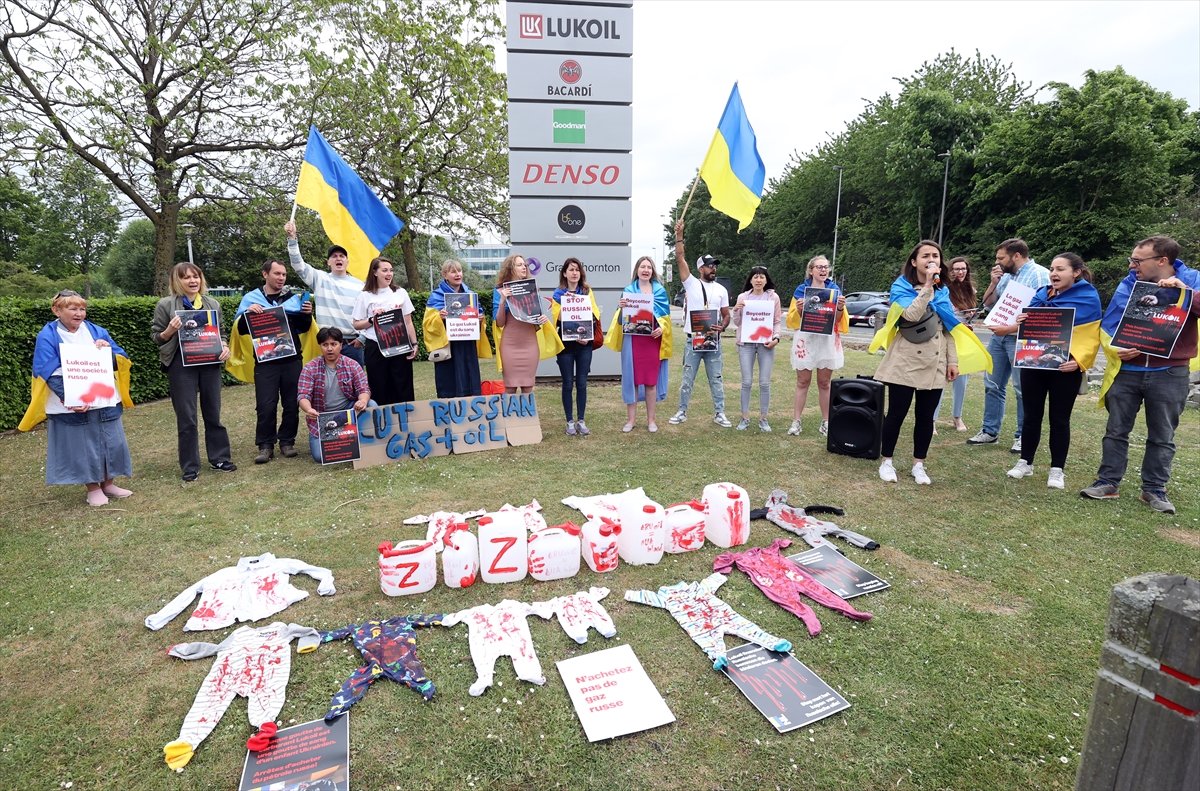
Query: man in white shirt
x,y
334,291
701,293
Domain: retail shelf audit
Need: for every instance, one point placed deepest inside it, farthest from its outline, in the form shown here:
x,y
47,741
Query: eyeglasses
x,y
1138,261
66,292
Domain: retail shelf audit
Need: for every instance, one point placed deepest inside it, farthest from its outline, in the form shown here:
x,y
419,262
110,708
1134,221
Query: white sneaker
x,y
1056,479
743,424
678,417
887,471
570,428
763,425
1016,446
919,474
794,431
721,420
824,429
1022,469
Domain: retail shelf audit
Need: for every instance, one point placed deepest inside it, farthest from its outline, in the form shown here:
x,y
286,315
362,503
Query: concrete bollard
x,y
1144,725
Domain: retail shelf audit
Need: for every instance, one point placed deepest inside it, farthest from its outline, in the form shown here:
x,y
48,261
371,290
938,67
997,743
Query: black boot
x,y
287,449
265,454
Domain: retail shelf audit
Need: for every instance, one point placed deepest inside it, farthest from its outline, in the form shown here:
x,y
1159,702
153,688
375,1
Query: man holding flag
x,y
334,291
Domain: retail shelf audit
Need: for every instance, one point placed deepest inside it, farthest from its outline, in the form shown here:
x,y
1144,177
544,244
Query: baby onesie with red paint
x,y
390,650
796,520
784,581
580,611
256,588
706,618
501,630
253,663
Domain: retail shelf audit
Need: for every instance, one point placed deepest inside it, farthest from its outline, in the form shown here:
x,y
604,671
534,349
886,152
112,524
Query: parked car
x,y
867,307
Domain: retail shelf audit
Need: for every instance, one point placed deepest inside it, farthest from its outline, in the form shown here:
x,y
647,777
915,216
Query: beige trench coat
x,y
921,366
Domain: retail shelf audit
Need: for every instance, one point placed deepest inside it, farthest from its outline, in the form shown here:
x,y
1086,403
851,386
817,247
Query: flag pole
x,y
687,203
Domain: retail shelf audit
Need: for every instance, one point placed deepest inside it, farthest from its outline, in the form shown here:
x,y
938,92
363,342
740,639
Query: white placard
x,y
612,694
1014,299
576,307
758,321
87,374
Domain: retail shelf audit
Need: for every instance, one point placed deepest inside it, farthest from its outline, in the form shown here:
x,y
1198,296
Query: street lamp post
x,y
837,216
945,180
187,230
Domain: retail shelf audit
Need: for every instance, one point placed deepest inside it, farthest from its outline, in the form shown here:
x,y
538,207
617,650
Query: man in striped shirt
x,y
334,291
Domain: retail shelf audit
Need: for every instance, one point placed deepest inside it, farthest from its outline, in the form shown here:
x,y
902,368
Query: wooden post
x,y
1144,724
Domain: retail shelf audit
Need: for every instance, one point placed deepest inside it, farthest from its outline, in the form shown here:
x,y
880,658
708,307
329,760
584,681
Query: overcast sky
x,y
807,68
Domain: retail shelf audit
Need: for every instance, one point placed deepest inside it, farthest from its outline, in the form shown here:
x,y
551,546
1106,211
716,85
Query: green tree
x,y
168,101
27,235
80,205
129,262
434,141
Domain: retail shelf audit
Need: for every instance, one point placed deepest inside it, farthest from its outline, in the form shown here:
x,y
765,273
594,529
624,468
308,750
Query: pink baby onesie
x,y
783,581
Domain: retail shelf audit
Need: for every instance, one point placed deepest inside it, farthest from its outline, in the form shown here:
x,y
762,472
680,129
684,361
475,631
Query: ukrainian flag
x,y
732,169
351,214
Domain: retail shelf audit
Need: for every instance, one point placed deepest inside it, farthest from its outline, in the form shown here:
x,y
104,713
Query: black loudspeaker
x,y
855,417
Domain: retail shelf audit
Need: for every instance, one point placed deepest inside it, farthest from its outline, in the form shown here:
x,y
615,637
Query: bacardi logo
x,y
570,72
531,25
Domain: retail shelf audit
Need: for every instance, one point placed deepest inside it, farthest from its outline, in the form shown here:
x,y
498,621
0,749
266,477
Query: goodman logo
x,y
571,219
531,25
570,126
585,175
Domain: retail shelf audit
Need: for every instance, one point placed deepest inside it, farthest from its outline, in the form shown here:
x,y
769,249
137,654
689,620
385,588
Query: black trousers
x,y
275,382
900,398
390,378
184,384
1061,389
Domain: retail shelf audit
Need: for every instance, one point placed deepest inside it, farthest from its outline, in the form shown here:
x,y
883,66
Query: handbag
x,y
922,329
440,355
597,334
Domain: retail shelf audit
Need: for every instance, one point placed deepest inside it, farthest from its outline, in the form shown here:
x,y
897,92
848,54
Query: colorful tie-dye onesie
x,y
390,648
784,581
253,663
706,618
501,630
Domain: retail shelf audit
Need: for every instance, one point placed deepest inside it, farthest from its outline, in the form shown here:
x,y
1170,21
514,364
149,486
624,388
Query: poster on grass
x,y
575,317
87,373
270,334
314,756
391,333
462,316
338,435
523,301
782,687
705,326
637,317
837,572
1044,338
199,337
1153,319
1010,304
818,312
612,694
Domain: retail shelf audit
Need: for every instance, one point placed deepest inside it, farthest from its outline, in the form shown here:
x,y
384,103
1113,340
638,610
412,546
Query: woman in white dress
x,y
813,351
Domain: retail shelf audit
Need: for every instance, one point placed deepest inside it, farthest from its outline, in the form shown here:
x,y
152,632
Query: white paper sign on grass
x,y
87,374
1014,299
612,694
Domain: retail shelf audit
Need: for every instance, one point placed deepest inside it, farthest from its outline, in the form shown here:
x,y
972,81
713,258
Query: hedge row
x,y
128,320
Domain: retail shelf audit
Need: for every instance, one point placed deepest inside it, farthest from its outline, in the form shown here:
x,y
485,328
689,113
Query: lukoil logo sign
x,y
531,25
537,26
570,126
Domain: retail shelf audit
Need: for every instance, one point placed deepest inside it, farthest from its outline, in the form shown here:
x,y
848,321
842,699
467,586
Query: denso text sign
x,y
593,174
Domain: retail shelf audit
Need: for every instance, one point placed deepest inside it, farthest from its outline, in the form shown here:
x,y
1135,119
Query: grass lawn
x,y
976,672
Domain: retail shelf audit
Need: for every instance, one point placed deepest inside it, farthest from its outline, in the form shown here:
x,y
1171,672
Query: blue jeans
x,y
574,364
960,396
1003,349
712,368
1164,394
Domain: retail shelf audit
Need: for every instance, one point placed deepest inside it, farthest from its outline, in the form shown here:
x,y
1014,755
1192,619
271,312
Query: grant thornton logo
x,y
570,126
535,266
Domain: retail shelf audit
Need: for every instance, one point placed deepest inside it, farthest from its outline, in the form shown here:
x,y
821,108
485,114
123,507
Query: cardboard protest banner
x,y
338,435
199,337
87,374
462,317
270,334
637,317
758,321
818,312
1044,338
391,333
421,429
781,687
575,318
523,301
1153,319
1014,299
837,572
705,329
315,756
612,694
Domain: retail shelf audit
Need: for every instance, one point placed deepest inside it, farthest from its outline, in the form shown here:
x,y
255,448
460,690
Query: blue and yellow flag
x,y
732,169
351,214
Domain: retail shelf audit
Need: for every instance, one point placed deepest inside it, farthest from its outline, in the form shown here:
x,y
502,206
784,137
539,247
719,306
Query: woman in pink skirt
x,y
644,358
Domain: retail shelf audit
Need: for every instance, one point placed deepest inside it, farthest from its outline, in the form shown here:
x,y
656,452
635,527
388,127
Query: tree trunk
x,y
165,233
410,261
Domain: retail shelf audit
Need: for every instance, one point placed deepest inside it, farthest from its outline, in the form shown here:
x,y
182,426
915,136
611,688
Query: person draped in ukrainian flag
x,y
86,443
1069,287
458,375
812,351
644,358
927,346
